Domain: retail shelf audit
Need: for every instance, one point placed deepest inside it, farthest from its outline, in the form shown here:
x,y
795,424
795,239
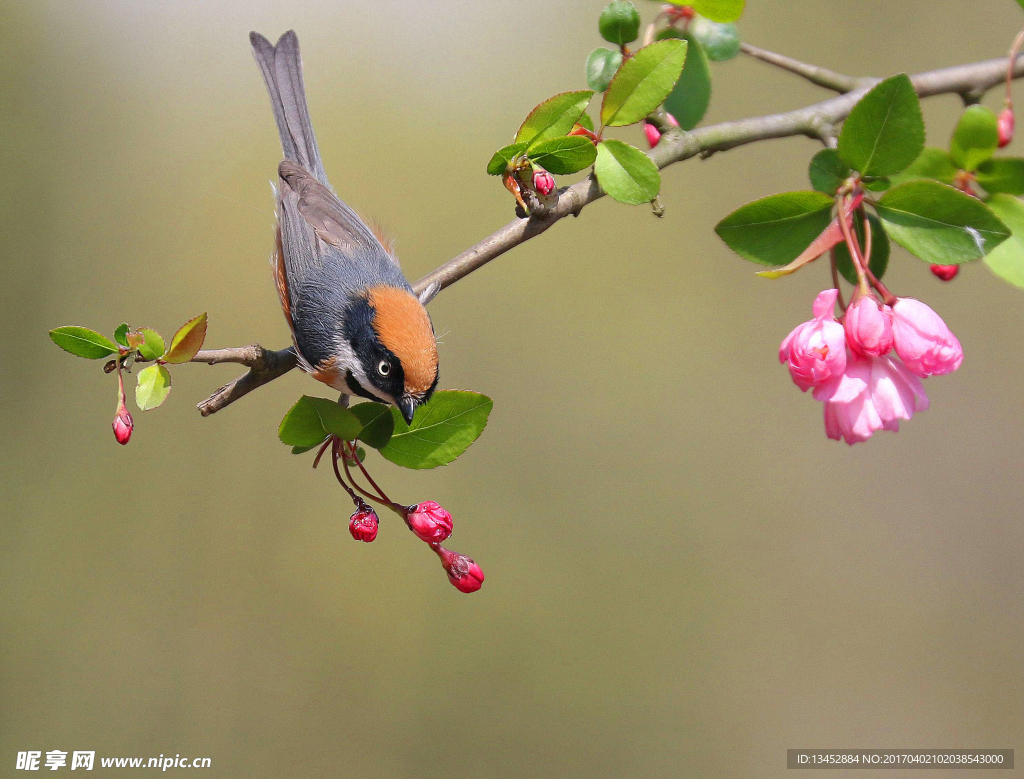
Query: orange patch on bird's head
x,y
402,325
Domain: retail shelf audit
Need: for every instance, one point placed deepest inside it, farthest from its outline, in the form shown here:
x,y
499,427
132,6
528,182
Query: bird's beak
x,y
407,405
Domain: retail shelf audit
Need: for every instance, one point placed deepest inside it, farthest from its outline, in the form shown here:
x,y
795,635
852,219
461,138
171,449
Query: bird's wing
x,y
333,222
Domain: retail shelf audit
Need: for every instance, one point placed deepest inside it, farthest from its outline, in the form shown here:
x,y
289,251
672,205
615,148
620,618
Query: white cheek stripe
x,y
347,361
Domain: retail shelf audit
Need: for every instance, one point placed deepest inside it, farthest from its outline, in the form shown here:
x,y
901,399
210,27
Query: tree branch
x,y
816,121
823,77
264,366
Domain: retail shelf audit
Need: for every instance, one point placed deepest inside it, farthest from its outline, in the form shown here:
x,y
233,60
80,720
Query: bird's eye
x,y
383,367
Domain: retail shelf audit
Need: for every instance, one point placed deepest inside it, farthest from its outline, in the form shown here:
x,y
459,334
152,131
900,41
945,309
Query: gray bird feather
x,y
329,254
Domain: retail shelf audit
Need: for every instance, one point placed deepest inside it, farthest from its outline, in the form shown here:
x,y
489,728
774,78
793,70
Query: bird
x,y
356,324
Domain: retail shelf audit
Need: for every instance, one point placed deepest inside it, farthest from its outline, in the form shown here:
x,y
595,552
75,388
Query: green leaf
x,y
691,96
939,224
378,423
975,138
586,121
83,342
120,335
503,158
187,341
311,420
619,22
776,229
442,429
716,10
1007,259
626,173
879,260
554,117
568,154
879,184
721,42
643,82
827,171
304,449
153,346
884,132
930,164
1002,174
153,387
602,64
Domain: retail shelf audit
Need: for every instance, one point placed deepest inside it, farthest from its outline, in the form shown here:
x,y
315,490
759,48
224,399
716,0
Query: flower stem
x,y
369,478
845,223
835,280
887,297
320,454
336,451
351,478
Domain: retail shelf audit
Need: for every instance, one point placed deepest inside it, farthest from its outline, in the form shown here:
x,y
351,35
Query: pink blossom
x,y
1005,125
430,522
869,327
922,339
816,350
873,393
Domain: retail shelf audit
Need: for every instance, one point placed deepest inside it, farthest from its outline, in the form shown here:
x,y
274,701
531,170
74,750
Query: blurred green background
x,y
684,577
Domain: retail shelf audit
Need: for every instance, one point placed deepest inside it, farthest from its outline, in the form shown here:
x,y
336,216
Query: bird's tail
x,y
282,71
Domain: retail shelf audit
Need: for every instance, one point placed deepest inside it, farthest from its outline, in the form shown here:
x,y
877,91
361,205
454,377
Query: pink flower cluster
x,y
849,367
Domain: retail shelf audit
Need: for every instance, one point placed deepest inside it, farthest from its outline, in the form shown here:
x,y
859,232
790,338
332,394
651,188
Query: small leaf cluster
x,y
441,430
971,166
559,137
878,148
140,345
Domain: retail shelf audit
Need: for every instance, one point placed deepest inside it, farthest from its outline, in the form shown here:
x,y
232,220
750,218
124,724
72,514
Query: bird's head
x,y
394,353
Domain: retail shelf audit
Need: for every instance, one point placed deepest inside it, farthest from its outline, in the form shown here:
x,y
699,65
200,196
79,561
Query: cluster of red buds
x,y
428,520
432,524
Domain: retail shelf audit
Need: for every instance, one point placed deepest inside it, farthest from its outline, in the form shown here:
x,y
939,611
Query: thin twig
x,y
823,77
816,121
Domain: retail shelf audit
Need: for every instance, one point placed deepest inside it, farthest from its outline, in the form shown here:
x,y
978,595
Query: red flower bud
x,y
1005,124
543,182
945,272
652,133
429,522
363,524
123,425
464,574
